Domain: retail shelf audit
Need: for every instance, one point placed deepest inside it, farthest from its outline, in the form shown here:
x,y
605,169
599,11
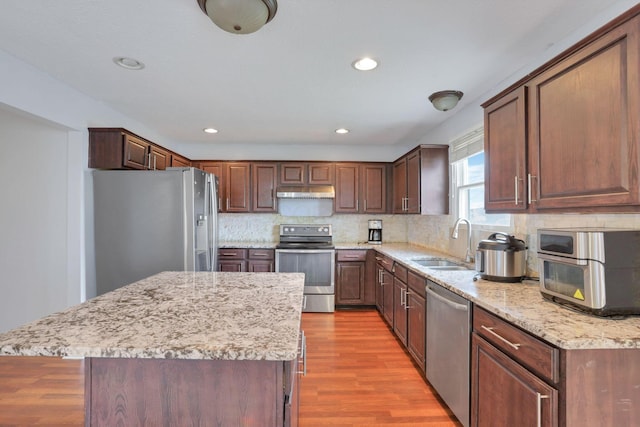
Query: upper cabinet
x,y
117,148
421,181
178,161
263,183
361,188
567,139
307,173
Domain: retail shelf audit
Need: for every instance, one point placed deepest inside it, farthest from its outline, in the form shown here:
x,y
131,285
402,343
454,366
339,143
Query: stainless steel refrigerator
x,y
152,221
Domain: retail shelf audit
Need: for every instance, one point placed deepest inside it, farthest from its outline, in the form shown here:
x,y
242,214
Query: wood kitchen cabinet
x,y
217,169
237,187
400,302
255,260
505,153
361,188
513,375
421,181
178,161
117,148
307,173
350,277
582,136
384,287
416,318
263,182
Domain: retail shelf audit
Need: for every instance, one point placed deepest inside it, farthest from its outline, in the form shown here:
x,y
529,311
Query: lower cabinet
x,y
514,376
416,318
252,260
350,277
384,287
400,302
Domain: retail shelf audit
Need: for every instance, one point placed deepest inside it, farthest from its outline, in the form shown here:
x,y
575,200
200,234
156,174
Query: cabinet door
x,y
504,394
350,282
584,127
260,266
217,169
237,187
292,173
505,153
380,283
264,187
399,310
373,181
399,186
387,295
434,180
416,327
413,183
135,152
159,159
347,186
235,265
179,161
321,173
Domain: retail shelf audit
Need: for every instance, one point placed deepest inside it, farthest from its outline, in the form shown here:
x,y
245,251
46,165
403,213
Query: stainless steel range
x,y
308,249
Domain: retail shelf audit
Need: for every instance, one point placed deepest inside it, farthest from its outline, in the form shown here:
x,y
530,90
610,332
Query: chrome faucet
x,y
454,235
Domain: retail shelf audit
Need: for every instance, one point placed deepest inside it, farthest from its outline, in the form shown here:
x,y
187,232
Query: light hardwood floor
x,y
357,375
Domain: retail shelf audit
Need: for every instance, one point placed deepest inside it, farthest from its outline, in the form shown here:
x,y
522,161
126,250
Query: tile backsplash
x,y
429,231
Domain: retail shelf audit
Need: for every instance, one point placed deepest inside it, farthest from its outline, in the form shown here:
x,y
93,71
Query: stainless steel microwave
x,y
596,270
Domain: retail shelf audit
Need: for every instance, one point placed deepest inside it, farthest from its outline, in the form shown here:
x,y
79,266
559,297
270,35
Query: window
x,y
468,181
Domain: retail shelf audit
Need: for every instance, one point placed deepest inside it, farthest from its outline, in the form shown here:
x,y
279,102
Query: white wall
x,y
34,248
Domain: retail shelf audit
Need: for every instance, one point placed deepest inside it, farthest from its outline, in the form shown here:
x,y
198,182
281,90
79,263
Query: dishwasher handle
x,y
455,305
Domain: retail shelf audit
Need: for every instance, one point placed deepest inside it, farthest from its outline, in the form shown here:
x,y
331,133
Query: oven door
x,y
318,266
575,281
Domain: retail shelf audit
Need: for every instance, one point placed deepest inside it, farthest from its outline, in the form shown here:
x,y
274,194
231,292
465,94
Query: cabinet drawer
x,y
416,283
537,355
386,262
232,253
400,271
261,254
351,255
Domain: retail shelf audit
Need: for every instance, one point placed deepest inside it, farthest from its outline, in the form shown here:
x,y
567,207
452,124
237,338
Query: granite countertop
x,y
523,305
175,315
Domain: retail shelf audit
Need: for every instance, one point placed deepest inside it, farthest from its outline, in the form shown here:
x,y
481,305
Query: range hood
x,y
306,192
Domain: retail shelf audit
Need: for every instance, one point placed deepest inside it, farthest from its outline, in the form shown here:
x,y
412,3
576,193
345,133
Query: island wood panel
x,y
175,392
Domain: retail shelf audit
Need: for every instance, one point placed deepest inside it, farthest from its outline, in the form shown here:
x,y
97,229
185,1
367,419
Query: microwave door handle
x,y
561,259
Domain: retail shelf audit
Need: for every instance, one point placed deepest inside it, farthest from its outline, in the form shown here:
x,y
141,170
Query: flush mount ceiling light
x,y
239,16
210,130
365,64
128,63
445,100
342,131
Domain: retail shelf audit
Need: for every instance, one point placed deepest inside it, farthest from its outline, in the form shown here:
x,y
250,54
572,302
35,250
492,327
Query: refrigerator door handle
x,y
212,213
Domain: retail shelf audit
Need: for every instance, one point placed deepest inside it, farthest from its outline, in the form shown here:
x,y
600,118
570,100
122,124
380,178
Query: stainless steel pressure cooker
x,y
501,258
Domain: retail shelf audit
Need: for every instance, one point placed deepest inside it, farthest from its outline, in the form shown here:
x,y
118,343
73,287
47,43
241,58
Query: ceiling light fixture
x,y
239,16
128,63
342,131
445,100
210,130
365,64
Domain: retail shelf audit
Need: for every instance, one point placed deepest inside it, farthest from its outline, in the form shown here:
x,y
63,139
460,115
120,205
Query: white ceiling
x,y
292,81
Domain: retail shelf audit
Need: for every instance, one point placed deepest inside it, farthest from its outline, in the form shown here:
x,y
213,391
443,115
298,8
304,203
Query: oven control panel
x,y
305,230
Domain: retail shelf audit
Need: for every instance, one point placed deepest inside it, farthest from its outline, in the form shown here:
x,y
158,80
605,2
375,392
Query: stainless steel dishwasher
x,y
448,348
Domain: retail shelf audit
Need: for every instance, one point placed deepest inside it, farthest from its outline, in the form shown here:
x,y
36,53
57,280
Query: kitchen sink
x,y
439,264
435,262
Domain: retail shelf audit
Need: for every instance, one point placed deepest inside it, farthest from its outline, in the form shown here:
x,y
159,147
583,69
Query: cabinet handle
x,y
403,298
365,205
539,398
227,203
352,256
529,177
504,340
406,300
258,255
228,253
515,183
303,354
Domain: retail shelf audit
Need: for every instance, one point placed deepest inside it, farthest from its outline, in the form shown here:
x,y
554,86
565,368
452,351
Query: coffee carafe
x,y
375,231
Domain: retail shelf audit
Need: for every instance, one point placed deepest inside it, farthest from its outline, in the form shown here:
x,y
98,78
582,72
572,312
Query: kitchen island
x,y
181,348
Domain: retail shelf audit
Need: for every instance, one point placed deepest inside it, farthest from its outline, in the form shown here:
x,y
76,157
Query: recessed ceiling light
x,y
365,64
210,130
342,131
128,63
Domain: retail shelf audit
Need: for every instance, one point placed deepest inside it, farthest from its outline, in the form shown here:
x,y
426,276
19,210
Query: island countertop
x,y
175,315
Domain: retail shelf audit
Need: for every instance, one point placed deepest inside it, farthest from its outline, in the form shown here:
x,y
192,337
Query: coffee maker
x,y
375,231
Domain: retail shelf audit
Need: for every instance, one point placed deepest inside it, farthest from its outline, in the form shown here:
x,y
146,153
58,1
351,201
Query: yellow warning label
x,y
578,295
